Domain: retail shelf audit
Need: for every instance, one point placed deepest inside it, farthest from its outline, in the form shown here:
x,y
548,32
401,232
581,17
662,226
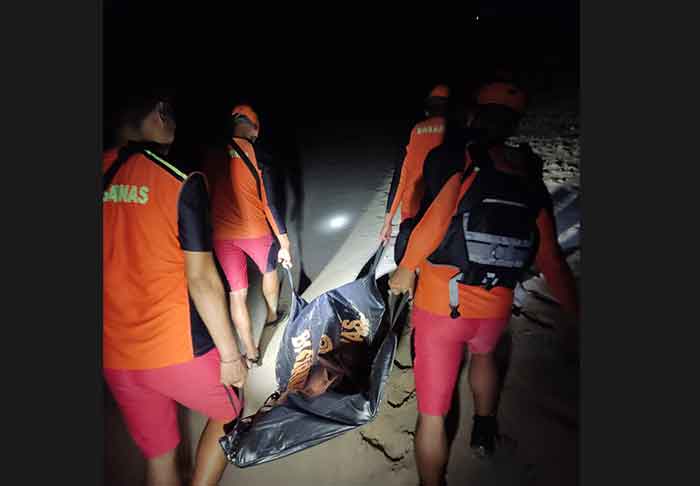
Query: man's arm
x,y
271,212
551,262
203,281
275,218
398,180
396,189
430,231
209,298
426,236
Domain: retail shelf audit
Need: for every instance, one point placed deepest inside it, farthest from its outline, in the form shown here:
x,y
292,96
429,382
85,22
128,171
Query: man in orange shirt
x,y
244,220
406,186
472,245
167,338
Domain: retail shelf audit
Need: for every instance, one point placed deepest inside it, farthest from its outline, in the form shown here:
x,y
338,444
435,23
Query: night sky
x,y
321,73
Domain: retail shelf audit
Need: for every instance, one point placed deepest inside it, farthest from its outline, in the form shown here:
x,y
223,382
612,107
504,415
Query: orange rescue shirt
x,y
408,190
238,209
151,213
432,292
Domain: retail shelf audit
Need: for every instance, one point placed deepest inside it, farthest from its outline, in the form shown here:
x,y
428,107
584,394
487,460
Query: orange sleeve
x,y
399,191
553,266
402,179
429,232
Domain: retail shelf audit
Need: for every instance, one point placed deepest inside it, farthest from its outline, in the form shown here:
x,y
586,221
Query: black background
x,y
638,144
327,73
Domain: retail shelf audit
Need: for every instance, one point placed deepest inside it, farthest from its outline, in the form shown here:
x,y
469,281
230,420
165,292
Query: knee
x,y
479,361
216,426
430,423
162,470
481,369
270,277
239,296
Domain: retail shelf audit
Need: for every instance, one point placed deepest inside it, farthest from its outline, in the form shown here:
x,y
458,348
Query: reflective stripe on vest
x,y
167,164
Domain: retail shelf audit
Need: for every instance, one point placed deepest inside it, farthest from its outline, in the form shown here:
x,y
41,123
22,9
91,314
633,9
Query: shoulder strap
x,y
162,163
479,161
122,157
468,170
248,164
126,152
480,156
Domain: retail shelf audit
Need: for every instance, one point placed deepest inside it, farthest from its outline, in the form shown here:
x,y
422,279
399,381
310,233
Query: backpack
x,y
493,237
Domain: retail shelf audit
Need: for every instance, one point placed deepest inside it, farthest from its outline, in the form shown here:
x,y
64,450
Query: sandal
x,y
280,317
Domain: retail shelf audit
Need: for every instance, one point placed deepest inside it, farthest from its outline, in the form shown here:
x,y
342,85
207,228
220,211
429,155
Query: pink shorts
x,y
147,399
231,254
439,349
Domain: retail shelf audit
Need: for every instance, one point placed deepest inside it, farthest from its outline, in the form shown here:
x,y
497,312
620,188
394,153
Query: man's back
x,y
149,321
408,190
238,209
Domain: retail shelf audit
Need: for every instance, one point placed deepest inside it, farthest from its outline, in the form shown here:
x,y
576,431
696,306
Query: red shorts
x,y
147,399
439,349
231,254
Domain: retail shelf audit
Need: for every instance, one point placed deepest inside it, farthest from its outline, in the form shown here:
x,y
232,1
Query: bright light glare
x,y
338,222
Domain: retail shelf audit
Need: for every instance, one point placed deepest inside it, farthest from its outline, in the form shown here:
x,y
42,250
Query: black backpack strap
x,y
468,171
122,157
479,157
248,164
480,161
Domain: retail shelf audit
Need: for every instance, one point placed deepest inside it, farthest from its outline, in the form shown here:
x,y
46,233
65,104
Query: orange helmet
x,y
504,94
246,111
440,91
